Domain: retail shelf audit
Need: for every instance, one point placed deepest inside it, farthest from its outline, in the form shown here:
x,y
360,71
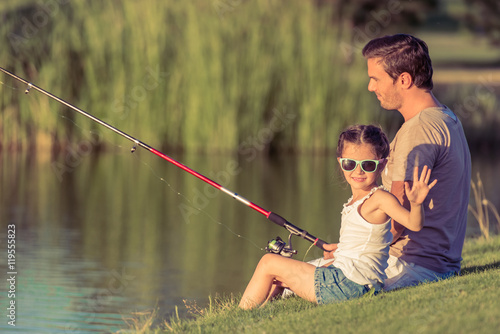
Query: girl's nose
x,y
359,170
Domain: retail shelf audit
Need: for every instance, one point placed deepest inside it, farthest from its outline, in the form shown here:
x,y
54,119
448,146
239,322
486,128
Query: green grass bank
x,y
465,304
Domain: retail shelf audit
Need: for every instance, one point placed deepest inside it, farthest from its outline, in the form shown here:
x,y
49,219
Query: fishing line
x,y
178,193
307,252
273,217
162,179
11,87
84,131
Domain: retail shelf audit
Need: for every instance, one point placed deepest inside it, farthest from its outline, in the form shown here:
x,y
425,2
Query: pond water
x,y
99,237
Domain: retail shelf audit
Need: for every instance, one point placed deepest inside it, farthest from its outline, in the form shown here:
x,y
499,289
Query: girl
x,y
360,257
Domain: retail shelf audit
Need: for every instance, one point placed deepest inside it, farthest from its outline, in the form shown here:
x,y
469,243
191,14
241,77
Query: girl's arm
x,y
416,194
398,190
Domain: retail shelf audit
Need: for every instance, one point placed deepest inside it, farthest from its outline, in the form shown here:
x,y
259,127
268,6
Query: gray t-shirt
x,y
435,138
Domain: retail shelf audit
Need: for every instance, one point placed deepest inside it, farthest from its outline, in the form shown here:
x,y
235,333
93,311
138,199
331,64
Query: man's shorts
x,y
401,274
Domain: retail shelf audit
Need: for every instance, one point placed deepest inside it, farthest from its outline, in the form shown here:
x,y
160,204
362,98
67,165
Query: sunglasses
x,y
368,166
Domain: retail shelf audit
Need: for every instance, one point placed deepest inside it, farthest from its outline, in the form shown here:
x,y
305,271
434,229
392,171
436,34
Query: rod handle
x,y
319,243
277,219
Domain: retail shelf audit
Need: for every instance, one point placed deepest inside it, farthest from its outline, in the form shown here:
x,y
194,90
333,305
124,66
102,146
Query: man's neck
x,y
416,102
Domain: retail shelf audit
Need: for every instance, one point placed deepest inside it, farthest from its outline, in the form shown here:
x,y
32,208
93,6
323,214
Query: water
x,y
100,237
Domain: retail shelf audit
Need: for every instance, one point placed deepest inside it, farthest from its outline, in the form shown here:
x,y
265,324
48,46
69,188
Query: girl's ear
x,y
382,165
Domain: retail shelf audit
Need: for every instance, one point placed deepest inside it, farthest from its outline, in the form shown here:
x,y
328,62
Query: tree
x,y
359,21
483,17
358,13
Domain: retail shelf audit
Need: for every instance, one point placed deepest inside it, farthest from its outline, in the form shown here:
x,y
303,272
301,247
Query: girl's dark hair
x,y
365,134
403,53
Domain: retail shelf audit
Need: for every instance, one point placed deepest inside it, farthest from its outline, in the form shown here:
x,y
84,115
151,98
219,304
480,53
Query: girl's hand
x,y
417,193
330,249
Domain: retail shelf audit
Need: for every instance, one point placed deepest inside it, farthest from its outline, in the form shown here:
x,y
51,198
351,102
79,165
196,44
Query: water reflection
x,y
120,233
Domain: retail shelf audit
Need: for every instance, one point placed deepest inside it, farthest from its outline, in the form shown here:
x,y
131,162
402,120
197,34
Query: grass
x,y
465,304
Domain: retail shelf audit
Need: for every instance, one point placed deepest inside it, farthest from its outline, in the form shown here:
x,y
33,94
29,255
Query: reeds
x,y
483,208
140,322
193,75
186,74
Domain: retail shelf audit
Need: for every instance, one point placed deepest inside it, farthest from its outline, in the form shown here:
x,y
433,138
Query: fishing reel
x,y
278,246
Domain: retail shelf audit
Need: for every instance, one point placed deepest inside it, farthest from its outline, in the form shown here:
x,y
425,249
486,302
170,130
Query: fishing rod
x,y
277,245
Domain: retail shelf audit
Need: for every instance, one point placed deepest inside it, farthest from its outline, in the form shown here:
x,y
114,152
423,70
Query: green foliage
x,y
193,75
365,14
482,16
247,76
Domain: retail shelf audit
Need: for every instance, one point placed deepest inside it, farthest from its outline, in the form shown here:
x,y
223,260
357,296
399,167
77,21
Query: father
x,y
400,73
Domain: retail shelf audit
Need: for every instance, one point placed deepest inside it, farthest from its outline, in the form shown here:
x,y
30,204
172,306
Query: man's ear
x,y
405,80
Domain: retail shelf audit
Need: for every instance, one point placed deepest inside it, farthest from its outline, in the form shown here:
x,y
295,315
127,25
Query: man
x,y
400,73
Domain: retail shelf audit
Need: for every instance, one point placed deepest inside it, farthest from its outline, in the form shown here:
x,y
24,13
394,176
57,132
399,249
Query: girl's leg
x,y
276,290
297,275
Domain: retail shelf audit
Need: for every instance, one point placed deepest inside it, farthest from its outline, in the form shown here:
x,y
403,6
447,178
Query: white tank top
x,y
363,248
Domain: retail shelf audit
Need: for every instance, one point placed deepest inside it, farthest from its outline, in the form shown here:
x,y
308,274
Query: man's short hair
x,y
403,53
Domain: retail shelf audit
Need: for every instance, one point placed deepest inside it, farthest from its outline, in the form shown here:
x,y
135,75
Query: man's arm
x,y
398,190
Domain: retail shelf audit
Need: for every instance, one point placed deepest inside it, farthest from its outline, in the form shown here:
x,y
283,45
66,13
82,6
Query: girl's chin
x,y
363,184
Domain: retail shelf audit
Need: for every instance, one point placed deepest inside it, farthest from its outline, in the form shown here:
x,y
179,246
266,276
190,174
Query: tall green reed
x,y
194,75
482,208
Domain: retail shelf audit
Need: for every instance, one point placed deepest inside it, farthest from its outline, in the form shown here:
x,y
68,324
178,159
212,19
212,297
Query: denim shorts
x,y
331,286
401,274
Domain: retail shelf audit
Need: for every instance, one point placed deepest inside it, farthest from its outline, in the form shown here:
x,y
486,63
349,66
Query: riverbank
x,y
465,304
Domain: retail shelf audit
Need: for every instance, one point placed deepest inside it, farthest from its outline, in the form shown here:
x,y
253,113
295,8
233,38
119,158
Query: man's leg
x,y
402,274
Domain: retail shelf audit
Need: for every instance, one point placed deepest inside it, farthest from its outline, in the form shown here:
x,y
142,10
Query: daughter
x,y
360,257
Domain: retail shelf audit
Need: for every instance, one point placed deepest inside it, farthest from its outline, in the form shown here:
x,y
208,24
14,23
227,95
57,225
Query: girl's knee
x,y
268,260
